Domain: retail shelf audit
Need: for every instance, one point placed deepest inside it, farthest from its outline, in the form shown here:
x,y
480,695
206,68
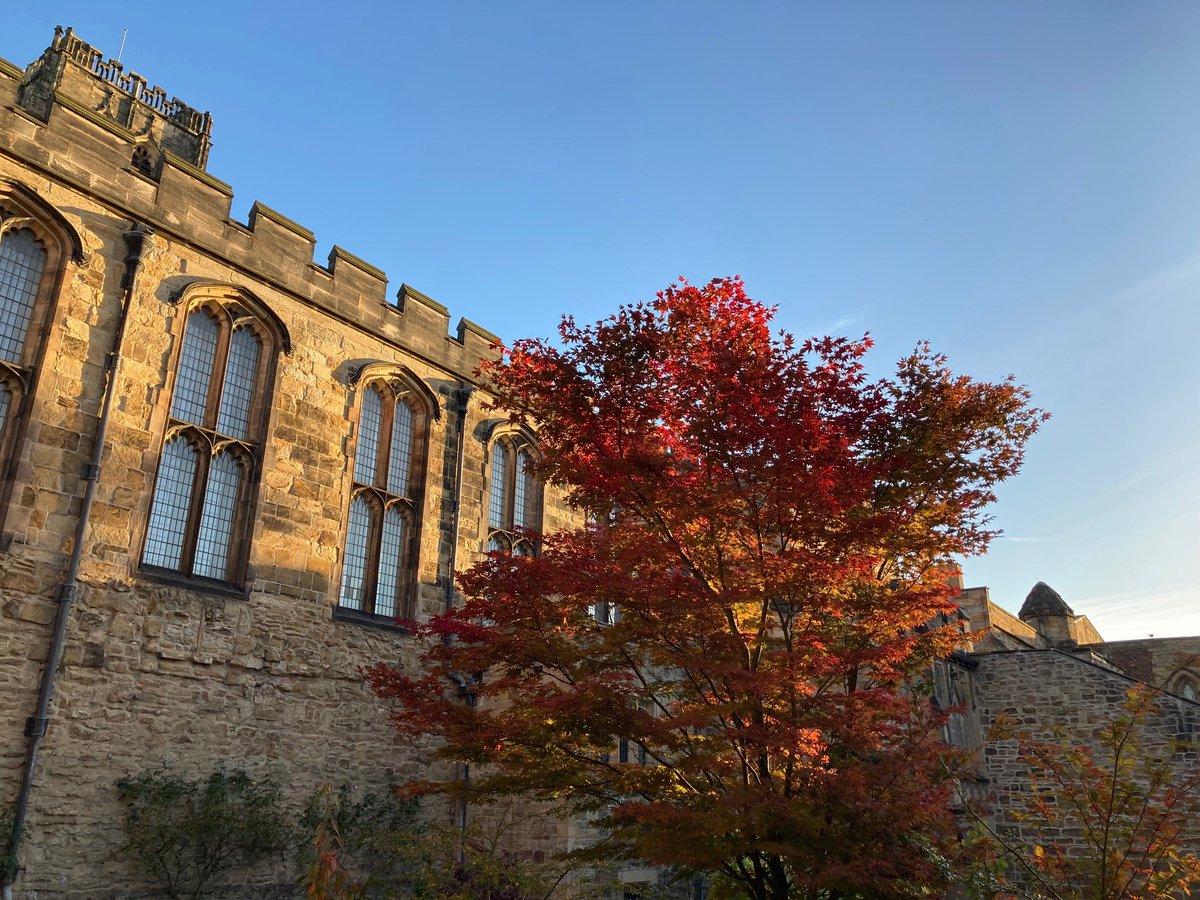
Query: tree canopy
x,y
774,531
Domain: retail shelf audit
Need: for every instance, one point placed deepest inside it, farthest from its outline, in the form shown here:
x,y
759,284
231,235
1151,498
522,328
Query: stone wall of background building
x,y
1165,662
1041,690
159,673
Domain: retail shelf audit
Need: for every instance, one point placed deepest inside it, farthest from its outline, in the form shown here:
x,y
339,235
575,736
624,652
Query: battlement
x,y
88,123
133,84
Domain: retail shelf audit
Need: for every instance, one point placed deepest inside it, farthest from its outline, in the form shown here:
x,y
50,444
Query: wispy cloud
x,y
1182,275
844,322
1026,540
1123,615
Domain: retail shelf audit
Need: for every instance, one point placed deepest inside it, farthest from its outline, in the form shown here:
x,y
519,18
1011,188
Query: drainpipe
x,y
462,395
137,243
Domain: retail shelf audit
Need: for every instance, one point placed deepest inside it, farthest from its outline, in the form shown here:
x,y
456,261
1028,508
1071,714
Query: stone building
x,y
1050,673
228,469
290,461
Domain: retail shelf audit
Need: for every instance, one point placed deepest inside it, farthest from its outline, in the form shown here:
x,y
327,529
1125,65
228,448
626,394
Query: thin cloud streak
x,y
1123,615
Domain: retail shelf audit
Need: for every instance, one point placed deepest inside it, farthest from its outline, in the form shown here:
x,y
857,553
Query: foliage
x,y
775,530
9,866
1134,809
377,847
351,851
188,834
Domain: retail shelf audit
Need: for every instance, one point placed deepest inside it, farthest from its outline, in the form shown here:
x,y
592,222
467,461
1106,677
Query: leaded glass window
x,y
36,241
380,547
22,267
499,485
169,509
358,533
514,498
22,262
199,515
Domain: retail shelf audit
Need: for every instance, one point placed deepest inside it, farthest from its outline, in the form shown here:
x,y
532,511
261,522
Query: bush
x,y
188,834
377,847
350,851
9,866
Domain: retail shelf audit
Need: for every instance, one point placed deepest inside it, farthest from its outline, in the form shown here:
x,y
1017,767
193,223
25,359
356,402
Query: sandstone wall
x,y
1041,690
1160,661
161,673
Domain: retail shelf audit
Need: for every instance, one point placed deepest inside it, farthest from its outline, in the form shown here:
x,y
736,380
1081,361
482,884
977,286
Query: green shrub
x,y
9,867
377,846
188,834
350,851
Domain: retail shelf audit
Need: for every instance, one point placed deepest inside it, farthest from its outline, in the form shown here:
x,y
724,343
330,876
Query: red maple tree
x,y
772,531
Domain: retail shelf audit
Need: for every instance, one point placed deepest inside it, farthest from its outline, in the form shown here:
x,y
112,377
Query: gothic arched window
x,y
200,514
514,496
22,264
35,242
383,524
1187,685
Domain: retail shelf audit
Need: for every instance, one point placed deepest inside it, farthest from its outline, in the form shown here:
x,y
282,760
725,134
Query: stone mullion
x,y
387,417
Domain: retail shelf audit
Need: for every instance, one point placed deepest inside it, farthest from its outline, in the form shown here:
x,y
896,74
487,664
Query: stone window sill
x,y
199,585
383,623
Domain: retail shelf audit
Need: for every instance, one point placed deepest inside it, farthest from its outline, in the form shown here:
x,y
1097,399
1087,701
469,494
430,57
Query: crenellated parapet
x,y
74,69
87,122
133,84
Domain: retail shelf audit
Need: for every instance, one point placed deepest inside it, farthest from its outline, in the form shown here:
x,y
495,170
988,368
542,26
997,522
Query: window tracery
x,y
1187,685
143,161
22,264
35,243
199,522
514,496
383,523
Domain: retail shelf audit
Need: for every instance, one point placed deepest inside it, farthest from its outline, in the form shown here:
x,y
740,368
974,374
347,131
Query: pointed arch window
x,y
383,525
200,513
35,243
22,264
1187,685
514,497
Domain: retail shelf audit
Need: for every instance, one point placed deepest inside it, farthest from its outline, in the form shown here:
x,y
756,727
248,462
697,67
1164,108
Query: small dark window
x,y
604,613
143,162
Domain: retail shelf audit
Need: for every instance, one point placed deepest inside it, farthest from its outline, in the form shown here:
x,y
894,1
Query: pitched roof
x,y
1044,600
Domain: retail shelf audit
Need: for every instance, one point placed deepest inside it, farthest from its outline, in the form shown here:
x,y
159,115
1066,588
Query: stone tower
x,y
78,76
1048,613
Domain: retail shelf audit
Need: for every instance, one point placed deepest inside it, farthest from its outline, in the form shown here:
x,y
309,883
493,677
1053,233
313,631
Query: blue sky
x,y
1018,182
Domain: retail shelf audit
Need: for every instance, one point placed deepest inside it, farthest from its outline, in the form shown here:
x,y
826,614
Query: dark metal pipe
x,y
462,396
136,242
